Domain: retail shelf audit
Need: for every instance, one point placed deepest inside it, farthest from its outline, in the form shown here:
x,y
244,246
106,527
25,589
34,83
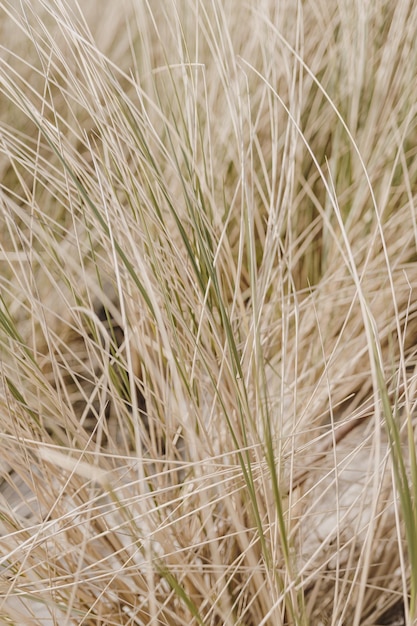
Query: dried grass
x,y
207,319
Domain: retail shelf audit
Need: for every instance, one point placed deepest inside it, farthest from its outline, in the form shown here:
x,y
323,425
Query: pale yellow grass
x,y
207,319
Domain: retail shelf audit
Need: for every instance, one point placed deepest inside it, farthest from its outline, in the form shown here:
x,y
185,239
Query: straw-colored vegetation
x,y
208,279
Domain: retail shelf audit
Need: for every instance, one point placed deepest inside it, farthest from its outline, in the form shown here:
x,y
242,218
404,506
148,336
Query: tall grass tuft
x,y
208,276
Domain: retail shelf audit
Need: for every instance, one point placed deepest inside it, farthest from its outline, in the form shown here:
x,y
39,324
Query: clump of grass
x,y
207,317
